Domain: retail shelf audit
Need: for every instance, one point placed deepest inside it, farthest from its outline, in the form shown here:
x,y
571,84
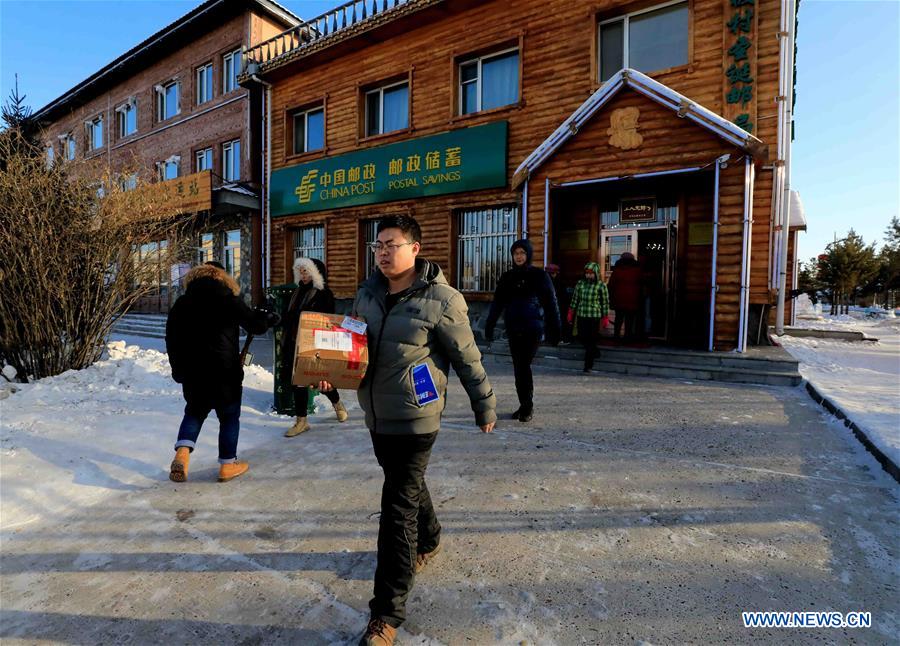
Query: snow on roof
x,y
798,215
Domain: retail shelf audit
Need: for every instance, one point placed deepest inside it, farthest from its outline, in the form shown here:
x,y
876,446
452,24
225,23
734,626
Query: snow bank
x,y
862,378
73,439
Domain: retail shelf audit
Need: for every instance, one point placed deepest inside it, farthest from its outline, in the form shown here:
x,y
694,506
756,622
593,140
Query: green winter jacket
x,y
430,325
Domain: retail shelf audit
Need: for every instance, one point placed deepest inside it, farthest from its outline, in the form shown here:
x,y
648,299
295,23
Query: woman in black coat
x,y
312,295
202,343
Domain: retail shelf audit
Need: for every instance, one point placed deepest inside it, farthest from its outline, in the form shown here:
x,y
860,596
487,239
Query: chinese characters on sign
x,y
637,210
740,29
460,160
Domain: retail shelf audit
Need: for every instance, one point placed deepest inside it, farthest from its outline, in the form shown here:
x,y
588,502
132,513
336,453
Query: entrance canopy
x,y
654,90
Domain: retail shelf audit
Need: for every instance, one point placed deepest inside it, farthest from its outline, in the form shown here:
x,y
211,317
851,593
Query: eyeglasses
x,y
391,247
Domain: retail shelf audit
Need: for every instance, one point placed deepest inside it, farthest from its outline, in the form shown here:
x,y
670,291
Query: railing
x,y
347,15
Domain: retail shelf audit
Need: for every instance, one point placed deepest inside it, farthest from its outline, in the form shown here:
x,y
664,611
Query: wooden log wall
x,y
557,41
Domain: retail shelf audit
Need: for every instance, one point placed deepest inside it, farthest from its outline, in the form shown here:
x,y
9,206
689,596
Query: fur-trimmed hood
x,y
313,267
213,273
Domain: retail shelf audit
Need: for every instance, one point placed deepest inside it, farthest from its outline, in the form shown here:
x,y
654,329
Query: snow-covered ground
x,y
861,377
68,441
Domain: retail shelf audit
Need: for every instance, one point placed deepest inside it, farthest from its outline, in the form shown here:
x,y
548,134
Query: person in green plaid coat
x,y
588,310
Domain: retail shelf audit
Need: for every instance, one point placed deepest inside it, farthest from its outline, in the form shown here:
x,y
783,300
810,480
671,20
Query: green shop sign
x,y
460,160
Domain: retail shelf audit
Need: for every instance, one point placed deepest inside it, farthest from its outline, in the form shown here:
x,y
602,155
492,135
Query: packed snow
x,y
860,377
70,440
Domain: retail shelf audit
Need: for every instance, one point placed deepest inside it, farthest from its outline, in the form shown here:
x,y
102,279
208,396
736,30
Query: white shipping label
x,y
340,341
357,327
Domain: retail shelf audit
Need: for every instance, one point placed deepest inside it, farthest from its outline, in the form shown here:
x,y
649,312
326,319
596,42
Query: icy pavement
x,y
631,510
860,377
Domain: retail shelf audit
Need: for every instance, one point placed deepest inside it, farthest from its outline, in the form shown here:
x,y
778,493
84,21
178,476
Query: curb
x,y
886,463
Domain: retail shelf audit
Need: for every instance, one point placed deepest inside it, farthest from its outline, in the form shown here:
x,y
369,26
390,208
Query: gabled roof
x,y
177,34
654,90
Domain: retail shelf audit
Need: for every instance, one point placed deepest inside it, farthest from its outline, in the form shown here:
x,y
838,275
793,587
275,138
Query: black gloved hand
x,y
273,319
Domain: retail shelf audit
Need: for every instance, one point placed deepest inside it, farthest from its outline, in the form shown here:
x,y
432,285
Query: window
x,y
231,67
128,183
309,242
203,160
151,274
370,235
205,248
309,130
233,253
169,169
231,161
68,146
95,133
387,109
489,82
482,246
126,117
50,154
167,100
650,40
204,83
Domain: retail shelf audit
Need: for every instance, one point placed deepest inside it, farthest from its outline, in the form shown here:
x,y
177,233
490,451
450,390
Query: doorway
x,y
653,248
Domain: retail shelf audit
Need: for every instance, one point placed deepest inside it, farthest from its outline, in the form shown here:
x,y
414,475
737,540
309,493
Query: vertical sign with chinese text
x,y
739,63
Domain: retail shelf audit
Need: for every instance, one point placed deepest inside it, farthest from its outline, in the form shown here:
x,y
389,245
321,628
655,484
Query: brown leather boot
x,y
340,412
422,560
378,633
231,470
179,469
300,426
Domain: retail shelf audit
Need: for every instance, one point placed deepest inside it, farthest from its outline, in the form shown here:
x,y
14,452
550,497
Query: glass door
x,y
612,245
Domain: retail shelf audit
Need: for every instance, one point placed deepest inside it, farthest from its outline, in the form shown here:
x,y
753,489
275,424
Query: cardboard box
x,y
332,348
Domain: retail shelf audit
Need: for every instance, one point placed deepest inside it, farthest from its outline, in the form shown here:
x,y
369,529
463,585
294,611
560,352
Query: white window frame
x,y
202,250
315,250
69,146
233,60
128,183
495,243
625,19
51,153
370,235
228,151
204,81
305,114
380,91
162,103
478,89
164,165
229,249
90,132
122,113
201,154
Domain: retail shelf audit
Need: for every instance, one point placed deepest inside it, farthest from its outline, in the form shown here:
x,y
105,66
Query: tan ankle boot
x,y
300,426
378,633
231,470
340,412
179,469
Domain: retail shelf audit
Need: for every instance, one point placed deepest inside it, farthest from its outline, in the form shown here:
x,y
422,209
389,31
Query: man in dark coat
x,y
312,295
526,296
202,341
625,293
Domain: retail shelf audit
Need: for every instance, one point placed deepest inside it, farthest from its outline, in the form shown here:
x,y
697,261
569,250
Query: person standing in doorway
x,y
526,296
562,302
312,295
202,342
417,327
588,311
625,295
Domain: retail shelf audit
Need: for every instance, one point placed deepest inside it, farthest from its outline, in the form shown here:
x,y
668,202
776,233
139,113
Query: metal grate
x,y
482,248
309,242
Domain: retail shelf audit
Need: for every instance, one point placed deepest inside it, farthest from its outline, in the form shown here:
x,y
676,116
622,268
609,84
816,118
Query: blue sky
x,y
846,155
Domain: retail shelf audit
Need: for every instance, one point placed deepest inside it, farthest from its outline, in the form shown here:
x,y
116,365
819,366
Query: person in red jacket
x,y
625,294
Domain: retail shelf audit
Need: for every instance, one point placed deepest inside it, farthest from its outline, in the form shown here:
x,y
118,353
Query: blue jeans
x,y
229,427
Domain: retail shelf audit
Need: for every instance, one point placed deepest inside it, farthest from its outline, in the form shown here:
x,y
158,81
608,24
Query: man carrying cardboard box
x,y
418,326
